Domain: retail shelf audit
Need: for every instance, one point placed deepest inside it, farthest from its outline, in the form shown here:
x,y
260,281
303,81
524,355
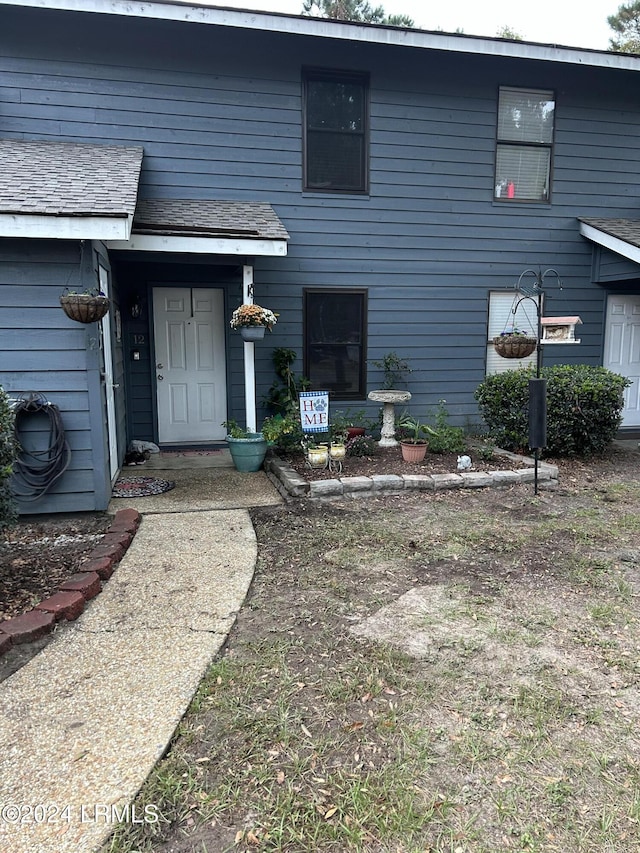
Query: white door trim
x,y
105,325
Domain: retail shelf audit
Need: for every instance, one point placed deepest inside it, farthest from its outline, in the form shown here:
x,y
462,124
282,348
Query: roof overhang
x,y
200,245
188,13
44,227
205,227
67,190
611,235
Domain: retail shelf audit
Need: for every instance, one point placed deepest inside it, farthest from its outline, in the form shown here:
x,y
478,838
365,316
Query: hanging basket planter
x,y
252,333
514,346
84,307
252,320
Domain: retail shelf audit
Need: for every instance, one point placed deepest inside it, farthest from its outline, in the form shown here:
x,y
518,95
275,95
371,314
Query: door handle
x,y
160,377
159,366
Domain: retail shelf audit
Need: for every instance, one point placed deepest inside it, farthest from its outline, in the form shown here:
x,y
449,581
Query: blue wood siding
x,y
219,116
43,352
609,268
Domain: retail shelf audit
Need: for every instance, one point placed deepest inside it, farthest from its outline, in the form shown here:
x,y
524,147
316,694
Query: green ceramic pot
x,y
248,453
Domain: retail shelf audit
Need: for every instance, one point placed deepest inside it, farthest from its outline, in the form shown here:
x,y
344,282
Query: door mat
x,y
139,487
216,452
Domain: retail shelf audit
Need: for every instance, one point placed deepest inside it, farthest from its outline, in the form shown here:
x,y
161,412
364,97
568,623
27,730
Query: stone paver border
x,y
68,602
291,485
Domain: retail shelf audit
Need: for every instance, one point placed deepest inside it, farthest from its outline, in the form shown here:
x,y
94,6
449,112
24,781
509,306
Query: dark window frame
x,y
331,75
506,143
307,295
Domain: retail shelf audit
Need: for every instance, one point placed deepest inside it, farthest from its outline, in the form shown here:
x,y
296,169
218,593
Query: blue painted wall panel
x,y
52,359
222,119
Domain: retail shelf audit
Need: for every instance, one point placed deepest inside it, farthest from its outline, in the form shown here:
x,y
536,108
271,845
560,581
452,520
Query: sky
x,y
578,23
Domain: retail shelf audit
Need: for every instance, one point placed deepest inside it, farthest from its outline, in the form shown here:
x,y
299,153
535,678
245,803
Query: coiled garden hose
x,y
36,471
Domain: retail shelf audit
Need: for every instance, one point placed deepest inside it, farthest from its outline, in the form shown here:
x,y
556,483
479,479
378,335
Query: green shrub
x,y
361,445
8,452
447,438
584,406
282,398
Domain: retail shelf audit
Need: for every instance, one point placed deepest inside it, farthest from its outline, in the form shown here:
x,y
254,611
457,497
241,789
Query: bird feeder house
x,y
559,330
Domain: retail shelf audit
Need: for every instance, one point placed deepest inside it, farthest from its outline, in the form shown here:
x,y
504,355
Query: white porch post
x,y
249,356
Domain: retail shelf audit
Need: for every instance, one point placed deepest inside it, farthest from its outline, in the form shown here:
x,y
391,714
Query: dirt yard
x,y
452,671
41,552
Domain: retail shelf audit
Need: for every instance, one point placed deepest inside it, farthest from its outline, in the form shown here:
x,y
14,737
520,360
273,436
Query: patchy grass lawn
x,y
446,672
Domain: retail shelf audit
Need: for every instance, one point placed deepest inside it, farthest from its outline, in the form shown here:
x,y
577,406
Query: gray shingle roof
x,y
208,218
68,178
627,230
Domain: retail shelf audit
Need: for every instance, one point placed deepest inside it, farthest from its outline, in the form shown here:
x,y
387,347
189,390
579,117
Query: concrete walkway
x,y
83,723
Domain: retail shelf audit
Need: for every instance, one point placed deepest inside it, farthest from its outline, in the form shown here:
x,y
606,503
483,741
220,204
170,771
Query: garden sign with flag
x,y
314,411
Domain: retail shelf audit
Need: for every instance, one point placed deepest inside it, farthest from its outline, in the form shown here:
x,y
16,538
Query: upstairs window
x,y
525,140
336,131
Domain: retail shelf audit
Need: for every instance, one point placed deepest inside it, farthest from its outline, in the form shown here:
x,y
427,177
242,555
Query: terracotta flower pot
x,y
413,452
353,431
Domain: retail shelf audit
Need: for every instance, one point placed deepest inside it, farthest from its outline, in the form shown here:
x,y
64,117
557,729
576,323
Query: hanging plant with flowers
x,y
253,315
515,343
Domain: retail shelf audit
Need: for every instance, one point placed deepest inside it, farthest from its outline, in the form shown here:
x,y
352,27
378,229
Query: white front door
x,y
622,350
190,364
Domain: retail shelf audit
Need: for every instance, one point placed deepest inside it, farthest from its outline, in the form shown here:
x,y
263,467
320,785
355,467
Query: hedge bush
x,y
8,451
584,406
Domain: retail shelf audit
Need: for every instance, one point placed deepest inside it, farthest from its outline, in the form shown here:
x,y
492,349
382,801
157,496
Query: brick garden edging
x,y
69,601
290,484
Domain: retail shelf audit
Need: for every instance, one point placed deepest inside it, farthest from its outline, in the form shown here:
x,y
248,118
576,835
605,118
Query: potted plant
x,y
88,306
337,444
390,394
252,320
248,449
412,441
316,452
338,432
351,423
273,427
515,343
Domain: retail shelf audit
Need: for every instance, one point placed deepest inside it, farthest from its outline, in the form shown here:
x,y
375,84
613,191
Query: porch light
x,y
135,308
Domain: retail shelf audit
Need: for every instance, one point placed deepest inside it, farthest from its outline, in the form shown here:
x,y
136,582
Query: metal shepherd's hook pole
x,y
537,386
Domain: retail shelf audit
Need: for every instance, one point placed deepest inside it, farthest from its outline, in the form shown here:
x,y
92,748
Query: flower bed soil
x,y
38,554
389,461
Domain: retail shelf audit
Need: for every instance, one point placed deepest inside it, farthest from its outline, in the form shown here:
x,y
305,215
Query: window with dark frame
x,y
335,342
524,144
336,129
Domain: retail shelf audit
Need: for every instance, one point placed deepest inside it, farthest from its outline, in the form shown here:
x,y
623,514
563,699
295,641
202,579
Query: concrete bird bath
x,y
388,400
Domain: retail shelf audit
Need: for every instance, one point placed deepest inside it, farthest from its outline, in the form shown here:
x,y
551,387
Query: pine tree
x,y
626,23
354,10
